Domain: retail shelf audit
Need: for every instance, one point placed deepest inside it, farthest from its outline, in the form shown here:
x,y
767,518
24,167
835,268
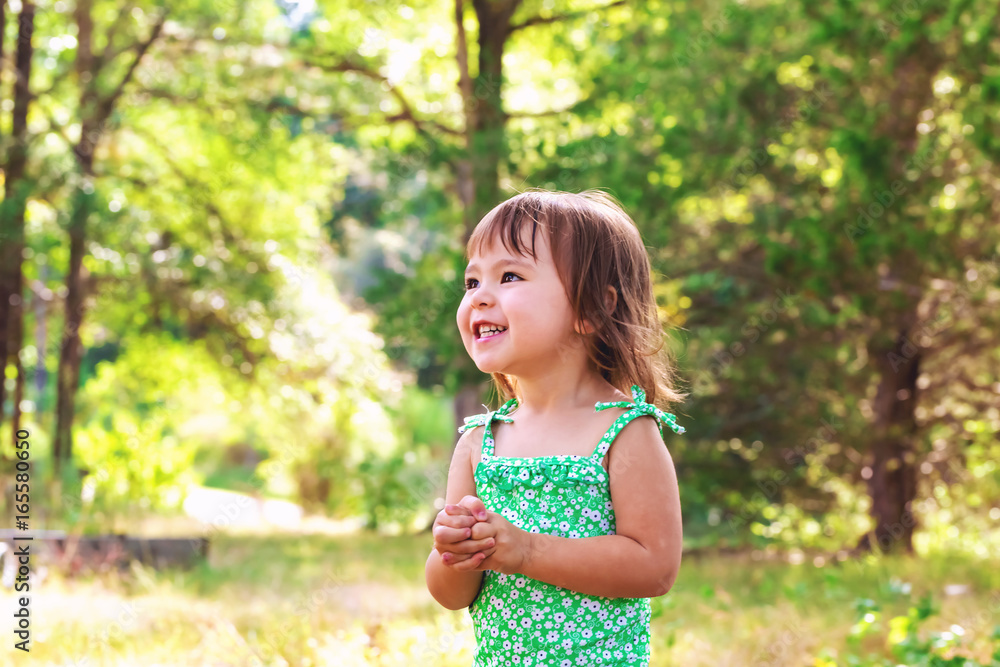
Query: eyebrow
x,y
509,260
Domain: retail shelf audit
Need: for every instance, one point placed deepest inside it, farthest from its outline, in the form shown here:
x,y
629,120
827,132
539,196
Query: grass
x,y
350,600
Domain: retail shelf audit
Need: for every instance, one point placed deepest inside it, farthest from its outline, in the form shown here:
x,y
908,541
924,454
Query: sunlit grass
x,y
360,600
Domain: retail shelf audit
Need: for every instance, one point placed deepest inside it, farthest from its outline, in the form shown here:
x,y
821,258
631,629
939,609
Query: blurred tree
x,y
97,101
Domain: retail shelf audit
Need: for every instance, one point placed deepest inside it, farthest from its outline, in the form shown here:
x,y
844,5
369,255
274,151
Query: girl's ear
x,y
610,302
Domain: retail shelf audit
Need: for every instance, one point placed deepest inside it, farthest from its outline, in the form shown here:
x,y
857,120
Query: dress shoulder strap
x,y
637,407
484,419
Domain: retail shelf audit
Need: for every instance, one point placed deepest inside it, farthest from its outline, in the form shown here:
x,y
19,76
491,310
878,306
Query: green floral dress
x,y
522,621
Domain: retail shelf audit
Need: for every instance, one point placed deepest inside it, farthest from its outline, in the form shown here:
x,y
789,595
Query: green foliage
x,y
401,490
904,640
134,450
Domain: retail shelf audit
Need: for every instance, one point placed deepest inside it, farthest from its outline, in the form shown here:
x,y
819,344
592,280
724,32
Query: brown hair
x,y
595,244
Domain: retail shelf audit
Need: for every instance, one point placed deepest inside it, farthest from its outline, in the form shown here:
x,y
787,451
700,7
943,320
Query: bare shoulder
x,y
643,486
639,442
461,481
471,444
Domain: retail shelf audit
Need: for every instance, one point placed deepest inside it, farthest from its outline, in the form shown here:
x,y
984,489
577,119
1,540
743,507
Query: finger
x,y
483,529
457,510
464,521
449,558
448,535
471,546
471,564
475,506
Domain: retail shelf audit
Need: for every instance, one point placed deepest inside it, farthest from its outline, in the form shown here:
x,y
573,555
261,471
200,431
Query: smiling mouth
x,y
489,335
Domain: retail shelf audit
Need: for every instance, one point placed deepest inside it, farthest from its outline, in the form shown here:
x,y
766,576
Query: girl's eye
x,y
469,281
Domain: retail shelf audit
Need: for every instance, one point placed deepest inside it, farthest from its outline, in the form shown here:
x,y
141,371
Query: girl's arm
x,y
456,589
641,560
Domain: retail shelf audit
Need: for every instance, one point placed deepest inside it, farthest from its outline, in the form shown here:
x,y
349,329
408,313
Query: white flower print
x,y
571,629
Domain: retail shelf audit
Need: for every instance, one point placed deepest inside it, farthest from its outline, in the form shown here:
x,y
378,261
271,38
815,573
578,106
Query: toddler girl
x,y
554,540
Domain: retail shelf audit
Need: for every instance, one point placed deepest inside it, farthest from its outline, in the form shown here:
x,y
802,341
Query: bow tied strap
x,y
640,406
483,419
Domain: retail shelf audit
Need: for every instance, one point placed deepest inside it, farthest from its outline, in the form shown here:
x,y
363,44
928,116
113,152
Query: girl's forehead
x,y
495,246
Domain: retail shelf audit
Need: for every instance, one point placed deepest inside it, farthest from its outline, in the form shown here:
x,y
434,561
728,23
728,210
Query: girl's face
x,y
526,297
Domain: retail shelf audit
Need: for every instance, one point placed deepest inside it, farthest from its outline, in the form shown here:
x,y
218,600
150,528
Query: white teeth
x,y
485,329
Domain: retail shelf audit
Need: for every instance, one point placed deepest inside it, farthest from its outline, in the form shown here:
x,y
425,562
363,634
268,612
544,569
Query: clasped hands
x,y
471,539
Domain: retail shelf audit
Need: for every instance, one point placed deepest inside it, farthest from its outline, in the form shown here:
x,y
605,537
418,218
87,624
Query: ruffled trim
x,y
562,471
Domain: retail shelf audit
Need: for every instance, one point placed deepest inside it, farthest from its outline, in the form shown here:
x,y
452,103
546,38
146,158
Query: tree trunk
x,y
16,189
71,350
3,31
892,485
485,119
478,175
41,308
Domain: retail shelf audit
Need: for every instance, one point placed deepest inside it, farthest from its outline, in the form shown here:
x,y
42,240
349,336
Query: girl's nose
x,y
482,296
